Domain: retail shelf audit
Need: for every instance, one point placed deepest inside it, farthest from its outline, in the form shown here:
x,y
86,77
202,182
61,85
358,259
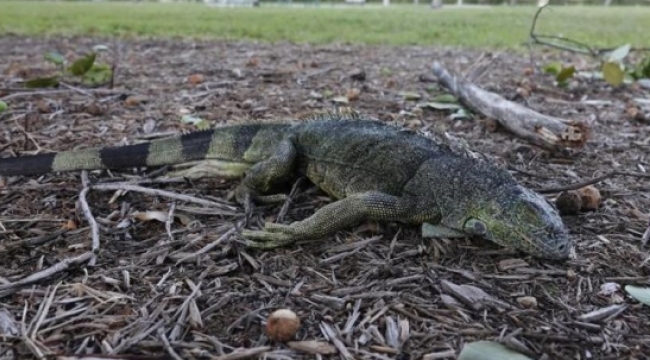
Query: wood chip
x,y
312,347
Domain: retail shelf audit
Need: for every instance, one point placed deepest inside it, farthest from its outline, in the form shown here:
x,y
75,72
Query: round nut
x,y
282,325
569,202
590,197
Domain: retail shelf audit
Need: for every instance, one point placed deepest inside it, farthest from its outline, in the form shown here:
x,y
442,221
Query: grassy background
x,y
495,27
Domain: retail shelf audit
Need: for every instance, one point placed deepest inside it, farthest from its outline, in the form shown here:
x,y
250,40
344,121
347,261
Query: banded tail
x,y
238,143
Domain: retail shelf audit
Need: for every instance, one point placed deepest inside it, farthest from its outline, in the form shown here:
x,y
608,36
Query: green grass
x,y
494,27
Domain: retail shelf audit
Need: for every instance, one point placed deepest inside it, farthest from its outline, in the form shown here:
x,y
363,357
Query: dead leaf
x,y
252,61
609,288
43,107
473,296
528,302
151,215
195,79
70,225
507,264
639,214
134,100
353,94
94,109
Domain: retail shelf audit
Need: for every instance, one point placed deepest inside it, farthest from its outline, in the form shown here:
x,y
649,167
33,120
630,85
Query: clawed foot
x,y
247,197
273,236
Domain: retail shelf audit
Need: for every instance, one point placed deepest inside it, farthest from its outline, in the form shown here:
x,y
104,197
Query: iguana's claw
x,y
274,235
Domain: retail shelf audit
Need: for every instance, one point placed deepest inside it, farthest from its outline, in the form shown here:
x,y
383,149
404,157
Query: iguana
x,y
373,170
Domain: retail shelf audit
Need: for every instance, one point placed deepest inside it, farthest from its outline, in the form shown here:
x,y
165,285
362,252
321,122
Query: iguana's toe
x,y
267,240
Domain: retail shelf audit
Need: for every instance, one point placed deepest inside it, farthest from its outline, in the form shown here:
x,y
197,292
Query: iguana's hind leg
x,y
333,217
262,177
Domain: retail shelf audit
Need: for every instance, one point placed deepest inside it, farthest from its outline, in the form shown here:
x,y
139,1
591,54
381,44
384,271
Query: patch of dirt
x,y
382,290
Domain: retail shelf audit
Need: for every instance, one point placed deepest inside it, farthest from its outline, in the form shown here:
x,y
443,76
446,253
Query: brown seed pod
x,y
590,197
282,325
569,202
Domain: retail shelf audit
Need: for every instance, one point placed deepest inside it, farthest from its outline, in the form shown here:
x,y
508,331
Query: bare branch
x,y
542,130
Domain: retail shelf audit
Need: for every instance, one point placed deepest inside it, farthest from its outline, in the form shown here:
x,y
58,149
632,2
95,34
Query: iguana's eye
x,y
475,227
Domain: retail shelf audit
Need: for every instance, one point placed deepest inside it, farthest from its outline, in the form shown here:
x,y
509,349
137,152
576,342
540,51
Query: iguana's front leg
x,y
333,217
262,177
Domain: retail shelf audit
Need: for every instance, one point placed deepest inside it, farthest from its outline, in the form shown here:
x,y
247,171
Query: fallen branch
x,y
592,181
549,132
9,288
225,209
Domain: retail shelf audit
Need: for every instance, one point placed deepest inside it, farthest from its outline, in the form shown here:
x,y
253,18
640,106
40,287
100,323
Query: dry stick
x,y
591,181
331,335
646,235
57,92
227,210
208,247
168,347
542,130
42,313
243,353
45,273
89,215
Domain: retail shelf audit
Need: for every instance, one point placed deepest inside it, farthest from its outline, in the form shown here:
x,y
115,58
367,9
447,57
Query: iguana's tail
x,y
239,143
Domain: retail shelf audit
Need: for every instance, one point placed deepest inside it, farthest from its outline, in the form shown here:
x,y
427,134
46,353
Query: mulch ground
x,y
378,291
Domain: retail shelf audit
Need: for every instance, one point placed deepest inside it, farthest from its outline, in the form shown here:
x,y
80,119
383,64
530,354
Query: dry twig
x,y
542,130
6,289
225,209
597,179
94,228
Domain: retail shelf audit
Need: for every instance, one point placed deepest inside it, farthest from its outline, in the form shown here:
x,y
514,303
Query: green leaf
x,y
42,82
82,65
3,106
100,47
441,106
613,73
446,98
54,57
642,70
639,293
489,350
619,54
553,68
407,95
565,74
461,114
97,75
196,121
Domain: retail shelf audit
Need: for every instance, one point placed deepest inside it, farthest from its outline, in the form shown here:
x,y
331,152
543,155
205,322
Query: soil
x,y
182,289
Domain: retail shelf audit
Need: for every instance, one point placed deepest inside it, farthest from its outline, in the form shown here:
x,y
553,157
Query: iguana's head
x,y
515,217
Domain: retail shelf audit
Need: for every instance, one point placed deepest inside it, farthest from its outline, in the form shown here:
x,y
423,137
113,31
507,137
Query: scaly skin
x,y
374,171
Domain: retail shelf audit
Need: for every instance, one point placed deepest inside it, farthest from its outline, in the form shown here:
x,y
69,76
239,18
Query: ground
x,y
161,292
